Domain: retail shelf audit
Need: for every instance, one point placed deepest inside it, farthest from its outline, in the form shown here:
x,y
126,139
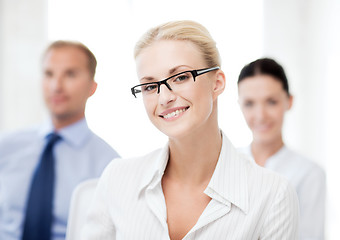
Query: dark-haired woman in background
x,y
264,98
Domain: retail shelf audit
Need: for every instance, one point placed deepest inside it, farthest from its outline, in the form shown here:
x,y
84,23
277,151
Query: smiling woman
x,y
264,98
197,185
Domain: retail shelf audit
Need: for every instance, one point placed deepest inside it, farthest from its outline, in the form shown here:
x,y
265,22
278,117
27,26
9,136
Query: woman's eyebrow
x,y
171,72
148,79
174,69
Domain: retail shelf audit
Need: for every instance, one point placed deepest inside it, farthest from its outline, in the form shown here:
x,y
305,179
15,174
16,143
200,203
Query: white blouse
x,y
247,201
310,184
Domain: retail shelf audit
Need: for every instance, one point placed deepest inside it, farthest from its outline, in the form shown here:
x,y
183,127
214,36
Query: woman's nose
x,y
261,112
165,94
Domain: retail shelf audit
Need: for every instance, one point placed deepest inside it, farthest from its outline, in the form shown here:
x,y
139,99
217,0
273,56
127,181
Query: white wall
x,y
304,36
331,80
1,64
294,33
23,37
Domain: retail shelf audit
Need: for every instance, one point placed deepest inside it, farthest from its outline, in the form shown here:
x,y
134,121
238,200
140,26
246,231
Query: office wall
x,y
23,37
1,63
304,36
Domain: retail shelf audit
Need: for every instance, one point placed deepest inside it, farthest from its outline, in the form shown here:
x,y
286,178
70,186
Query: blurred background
x,y
302,35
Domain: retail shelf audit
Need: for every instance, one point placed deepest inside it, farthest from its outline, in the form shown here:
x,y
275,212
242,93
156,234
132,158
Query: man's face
x,y
67,83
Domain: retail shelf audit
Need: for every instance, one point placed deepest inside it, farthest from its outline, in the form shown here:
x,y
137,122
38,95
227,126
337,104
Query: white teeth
x,y
174,113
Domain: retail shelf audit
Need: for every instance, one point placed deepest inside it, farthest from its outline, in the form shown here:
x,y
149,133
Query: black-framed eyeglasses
x,y
173,83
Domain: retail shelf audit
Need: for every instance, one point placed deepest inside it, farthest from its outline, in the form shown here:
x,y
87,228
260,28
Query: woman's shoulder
x,y
265,182
132,164
130,171
305,165
257,178
124,177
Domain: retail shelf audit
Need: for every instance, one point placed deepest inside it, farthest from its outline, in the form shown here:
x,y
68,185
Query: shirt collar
x,y
155,173
229,180
76,134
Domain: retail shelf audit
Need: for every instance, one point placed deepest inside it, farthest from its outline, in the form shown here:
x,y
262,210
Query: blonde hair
x,y
92,62
183,30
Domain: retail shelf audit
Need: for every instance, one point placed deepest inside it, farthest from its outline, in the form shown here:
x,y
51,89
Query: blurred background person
x,y
40,167
264,99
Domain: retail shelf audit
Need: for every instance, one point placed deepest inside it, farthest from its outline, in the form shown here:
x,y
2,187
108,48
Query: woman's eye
x,y
181,78
272,102
149,87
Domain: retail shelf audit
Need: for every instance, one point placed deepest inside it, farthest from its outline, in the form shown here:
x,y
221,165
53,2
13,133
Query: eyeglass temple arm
x,y
202,71
134,91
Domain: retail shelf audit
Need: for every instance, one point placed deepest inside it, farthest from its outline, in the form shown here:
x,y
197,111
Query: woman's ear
x,y
219,83
290,102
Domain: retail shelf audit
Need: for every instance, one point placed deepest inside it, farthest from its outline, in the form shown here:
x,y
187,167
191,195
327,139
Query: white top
x,y
310,184
247,201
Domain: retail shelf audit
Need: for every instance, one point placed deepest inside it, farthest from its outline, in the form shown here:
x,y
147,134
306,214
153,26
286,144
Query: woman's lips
x,y
173,112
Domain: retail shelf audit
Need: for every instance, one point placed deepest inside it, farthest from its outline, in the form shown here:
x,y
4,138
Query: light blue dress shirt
x,y
80,155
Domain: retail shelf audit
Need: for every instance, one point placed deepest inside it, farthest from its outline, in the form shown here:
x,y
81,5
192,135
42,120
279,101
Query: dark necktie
x,y
38,218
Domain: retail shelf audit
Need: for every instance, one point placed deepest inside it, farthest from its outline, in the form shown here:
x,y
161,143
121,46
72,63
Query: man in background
x,y
40,167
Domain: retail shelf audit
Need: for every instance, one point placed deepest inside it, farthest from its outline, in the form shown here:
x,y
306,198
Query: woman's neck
x,y
193,158
262,151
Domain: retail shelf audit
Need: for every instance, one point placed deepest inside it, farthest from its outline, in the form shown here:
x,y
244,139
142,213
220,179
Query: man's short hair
x,y
92,62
